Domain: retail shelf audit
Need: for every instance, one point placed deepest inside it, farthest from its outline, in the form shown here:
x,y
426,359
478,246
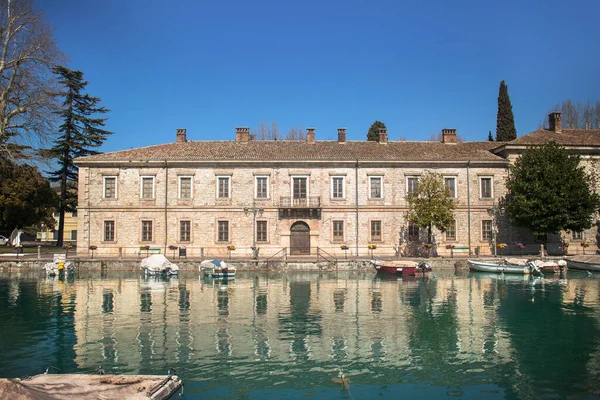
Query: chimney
x,y
180,135
310,135
341,135
242,134
383,135
449,135
554,121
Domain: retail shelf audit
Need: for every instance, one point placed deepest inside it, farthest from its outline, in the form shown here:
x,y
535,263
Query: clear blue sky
x,y
418,66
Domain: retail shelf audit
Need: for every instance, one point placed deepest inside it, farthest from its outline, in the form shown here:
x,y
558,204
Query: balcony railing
x,y
309,202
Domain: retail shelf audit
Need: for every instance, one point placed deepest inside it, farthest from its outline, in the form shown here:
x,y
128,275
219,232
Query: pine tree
x,y
505,123
490,137
373,134
80,133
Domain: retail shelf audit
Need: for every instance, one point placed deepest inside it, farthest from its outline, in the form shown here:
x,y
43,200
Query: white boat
x,y
217,269
482,266
59,266
585,262
158,264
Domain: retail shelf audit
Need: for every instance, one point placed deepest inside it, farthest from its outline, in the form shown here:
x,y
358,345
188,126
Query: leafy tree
x,y
490,137
80,133
505,123
549,191
27,54
26,197
373,134
430,204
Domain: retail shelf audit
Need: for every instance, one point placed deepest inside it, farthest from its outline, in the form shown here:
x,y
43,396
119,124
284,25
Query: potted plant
x,y
372,247
173,248
230,248
500,247
255,250
451,248
585,244
92,248
345,248
67,247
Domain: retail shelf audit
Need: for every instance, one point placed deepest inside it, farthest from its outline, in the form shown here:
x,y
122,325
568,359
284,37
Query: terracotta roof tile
x,y
566,137
300,150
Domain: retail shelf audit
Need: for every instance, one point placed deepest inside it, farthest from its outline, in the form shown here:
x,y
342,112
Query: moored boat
x,y
401,267
482,266
59,266
158,264
585,262
217,269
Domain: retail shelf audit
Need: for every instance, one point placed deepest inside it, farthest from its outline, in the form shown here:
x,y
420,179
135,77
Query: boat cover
x,y
213,264
157,262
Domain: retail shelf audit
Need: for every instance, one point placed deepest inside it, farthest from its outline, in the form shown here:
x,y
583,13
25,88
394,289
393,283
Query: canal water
x,y
272,336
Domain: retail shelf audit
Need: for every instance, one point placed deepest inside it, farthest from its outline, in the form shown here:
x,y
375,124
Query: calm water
x,y
271,336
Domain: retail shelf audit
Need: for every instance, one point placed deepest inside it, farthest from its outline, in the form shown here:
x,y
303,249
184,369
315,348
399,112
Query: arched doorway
x,y
299,238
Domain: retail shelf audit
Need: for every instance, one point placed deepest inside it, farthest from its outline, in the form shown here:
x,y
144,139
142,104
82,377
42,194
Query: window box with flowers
x,y
173,248
67,247
372,247
451,248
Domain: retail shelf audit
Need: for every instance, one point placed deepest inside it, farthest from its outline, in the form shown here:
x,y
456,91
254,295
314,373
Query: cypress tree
x,y
505,123
373,134
490,137
80,132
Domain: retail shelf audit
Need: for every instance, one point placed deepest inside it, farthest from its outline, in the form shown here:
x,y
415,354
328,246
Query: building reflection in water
x,y
428,327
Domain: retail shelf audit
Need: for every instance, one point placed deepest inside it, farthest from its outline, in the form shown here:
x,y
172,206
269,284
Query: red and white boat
x,y
401,267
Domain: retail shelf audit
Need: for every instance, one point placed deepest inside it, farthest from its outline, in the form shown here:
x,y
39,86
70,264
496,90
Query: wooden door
x,y
299,239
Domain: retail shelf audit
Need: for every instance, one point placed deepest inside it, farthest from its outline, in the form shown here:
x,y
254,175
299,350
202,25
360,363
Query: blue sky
x,y
418,66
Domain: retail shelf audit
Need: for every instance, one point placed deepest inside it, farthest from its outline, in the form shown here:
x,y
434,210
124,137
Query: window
x,y
375,231
109,231
412,184
223,187
375,189
577,235
184,231
73,234
413,232
486,188
300,188
110,187
146,231
486,229
451,231
147,187
337,187
451,185
261,231
262,187
223,231
185,187
338,231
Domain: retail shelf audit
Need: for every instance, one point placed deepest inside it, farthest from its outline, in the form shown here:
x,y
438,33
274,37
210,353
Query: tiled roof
x,y
300,150
566,137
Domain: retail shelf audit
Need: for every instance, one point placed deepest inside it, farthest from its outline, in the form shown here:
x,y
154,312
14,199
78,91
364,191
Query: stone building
x,y
208,197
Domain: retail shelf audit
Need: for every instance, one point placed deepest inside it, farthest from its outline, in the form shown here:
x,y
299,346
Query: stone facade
x,y
224,181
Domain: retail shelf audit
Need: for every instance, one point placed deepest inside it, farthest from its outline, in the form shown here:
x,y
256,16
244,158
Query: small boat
x,y
585,262
217,269
482,266
59,266
158,264
401,267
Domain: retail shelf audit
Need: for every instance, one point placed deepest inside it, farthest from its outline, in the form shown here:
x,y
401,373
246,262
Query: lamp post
x,y
255,212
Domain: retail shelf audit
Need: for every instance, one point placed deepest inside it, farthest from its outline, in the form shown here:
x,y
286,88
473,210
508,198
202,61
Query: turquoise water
x,y
277,336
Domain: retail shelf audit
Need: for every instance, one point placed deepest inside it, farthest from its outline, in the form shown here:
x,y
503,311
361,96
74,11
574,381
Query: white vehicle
x,y
4,241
